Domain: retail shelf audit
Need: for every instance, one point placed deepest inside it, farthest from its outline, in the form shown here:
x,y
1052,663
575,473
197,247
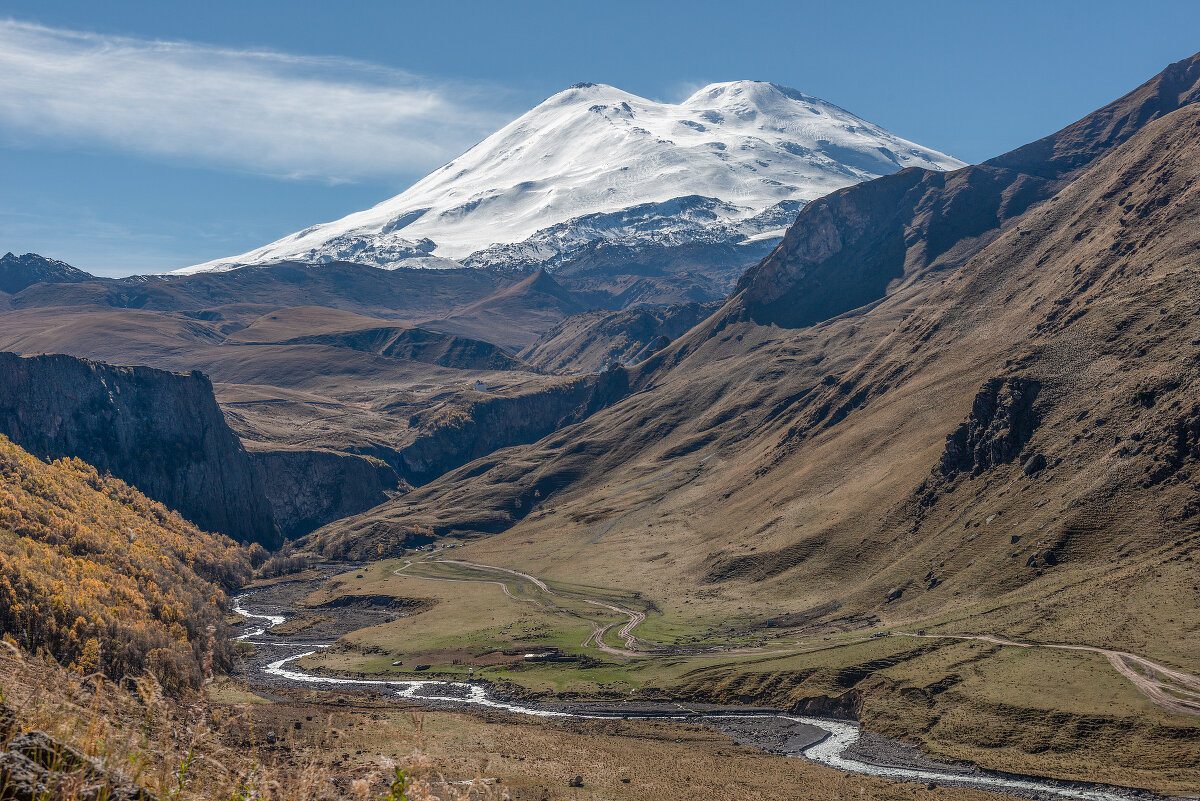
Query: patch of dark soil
x,y
775,735
762,566
387,603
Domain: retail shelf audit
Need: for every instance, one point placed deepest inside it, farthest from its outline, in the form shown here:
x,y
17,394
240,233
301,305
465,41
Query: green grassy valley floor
x,y
1036,710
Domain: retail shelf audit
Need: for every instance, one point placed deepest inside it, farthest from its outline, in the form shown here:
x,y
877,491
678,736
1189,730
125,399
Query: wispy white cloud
x,y
261,111
682,90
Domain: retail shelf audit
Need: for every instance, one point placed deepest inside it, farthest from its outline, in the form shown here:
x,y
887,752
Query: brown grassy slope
x,y
376,390
589,341
103,578
765,471
846,248
514,316
323,377
823,440
315,325
394,294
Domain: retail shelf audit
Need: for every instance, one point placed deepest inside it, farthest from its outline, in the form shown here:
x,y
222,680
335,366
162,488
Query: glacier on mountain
x,y
731,164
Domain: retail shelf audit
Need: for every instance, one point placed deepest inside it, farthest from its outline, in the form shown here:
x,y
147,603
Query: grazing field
x,y
1034,710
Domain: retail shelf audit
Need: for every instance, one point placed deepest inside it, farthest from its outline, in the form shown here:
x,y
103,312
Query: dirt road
x,y
633,646
1171,689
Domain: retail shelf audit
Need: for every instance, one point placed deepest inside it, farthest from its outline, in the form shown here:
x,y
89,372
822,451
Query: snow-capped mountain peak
x,y
594,149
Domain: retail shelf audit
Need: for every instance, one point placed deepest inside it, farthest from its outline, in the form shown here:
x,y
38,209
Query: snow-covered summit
x,y
595,149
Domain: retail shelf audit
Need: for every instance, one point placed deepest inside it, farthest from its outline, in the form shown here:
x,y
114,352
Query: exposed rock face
x,y
19,272
502,421
309,488
36,766
847,706
1001,421
161,432
1176,446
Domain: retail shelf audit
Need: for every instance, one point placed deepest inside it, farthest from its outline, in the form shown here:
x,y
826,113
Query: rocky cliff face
x,y
161,432
1001,421
451,440
309,488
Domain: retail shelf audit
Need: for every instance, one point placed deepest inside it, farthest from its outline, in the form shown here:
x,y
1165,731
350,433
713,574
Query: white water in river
x,y
830,750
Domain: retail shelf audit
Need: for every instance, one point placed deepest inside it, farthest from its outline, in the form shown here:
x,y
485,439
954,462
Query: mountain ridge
x,y
21,272
833,260
594,149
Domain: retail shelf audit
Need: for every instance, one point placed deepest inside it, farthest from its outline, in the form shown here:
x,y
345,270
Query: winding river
x,y
831,749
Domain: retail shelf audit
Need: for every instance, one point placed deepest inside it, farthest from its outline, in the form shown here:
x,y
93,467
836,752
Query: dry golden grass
x,y
232,744
196,749
105,579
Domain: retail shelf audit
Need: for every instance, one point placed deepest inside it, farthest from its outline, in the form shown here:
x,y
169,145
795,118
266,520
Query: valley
x,y
867,474
447,686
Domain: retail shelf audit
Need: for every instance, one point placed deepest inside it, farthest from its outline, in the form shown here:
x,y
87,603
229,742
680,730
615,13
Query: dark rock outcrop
x,y
19,272
161,432
1001,421
1176,446
309,488
37,767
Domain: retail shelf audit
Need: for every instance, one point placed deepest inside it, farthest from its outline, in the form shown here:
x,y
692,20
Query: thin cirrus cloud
x,y
265,112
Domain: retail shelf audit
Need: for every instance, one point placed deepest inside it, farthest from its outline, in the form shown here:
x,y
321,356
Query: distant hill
x,y
20,272
591,340
308,325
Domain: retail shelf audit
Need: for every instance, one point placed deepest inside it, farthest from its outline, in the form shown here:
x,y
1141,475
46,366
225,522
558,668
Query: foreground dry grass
x,y
535,759
200,749
231,744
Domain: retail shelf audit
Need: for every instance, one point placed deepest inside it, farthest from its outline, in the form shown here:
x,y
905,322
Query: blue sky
x,y
144,136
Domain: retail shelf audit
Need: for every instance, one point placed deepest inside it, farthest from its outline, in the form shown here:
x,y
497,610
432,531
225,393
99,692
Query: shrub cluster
x,y
104,579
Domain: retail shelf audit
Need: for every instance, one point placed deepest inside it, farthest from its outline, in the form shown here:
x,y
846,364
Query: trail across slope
x,y
1168,688
595,637
1162,685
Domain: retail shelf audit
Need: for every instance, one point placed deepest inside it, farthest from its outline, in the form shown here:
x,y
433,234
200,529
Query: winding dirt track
x,y
594,639
626,632
541,585
1168,688
1164,686
408,563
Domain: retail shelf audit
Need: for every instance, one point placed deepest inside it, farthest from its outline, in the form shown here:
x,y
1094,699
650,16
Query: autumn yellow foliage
x,y
100,577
